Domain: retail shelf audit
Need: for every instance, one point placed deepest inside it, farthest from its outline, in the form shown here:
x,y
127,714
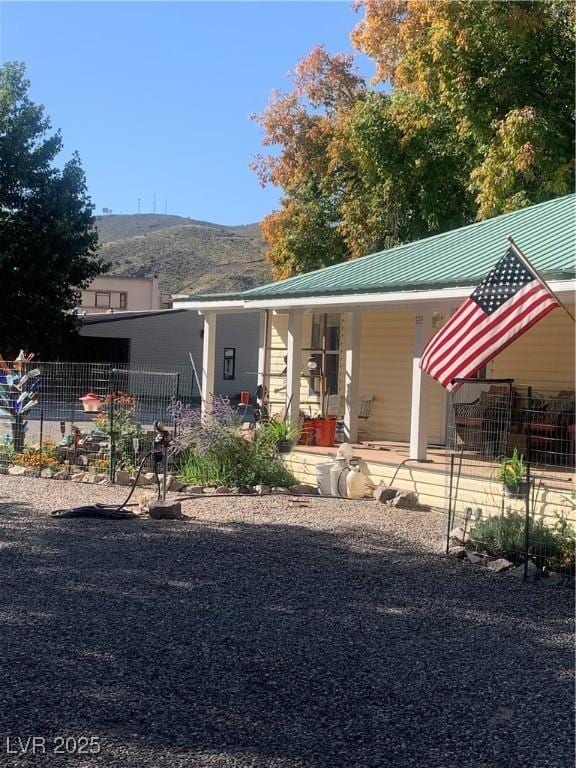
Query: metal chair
x,y
364,410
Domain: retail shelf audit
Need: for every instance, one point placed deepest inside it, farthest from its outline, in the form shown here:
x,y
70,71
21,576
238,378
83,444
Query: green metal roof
x,y
546,233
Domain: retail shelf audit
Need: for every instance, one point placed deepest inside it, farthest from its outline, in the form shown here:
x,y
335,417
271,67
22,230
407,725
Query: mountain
x,y
188,256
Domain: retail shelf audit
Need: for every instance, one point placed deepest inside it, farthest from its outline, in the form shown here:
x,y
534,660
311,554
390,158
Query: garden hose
x,y
110,511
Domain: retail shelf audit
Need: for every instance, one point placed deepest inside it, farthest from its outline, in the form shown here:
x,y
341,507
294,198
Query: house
x,y
117,293
367,322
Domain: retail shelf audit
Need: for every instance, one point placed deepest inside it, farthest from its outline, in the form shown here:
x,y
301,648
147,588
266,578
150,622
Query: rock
x,y
194,489
104,482
262,490
553,580
459,535
3,470
304,489
122,477
174,484
89,478
499,565
222,489
384,494
28,472
147,478
475,557
62,474
47,473
17,471
458,552
99,477
78,477
278,489
165,510
532,574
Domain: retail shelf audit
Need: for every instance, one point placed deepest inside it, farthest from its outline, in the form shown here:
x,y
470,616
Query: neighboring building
x,y
114,293
162,341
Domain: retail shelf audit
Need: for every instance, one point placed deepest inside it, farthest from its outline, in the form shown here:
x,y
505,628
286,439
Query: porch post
x,y
208,362
352,376
262,348
420,382
293,366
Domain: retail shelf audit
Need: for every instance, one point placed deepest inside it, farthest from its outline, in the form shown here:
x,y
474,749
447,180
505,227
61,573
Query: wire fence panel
x,y
510,484
81,416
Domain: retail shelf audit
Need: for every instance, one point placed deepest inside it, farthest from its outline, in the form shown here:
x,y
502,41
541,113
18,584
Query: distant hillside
x,y
188,256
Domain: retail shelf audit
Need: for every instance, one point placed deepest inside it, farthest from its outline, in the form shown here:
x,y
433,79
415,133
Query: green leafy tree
x,y
479,121
47,239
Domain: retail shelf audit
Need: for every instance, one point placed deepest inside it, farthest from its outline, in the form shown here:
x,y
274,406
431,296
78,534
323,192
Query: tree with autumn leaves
x,y
470,114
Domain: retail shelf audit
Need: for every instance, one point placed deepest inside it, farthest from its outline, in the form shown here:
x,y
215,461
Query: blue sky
x,y
156,96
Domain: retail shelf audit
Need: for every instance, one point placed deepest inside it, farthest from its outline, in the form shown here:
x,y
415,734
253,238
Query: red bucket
x,y
325,432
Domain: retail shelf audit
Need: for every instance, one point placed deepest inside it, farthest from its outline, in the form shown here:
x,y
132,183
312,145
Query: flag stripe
x,y
490,353
485,324
457,321
475,315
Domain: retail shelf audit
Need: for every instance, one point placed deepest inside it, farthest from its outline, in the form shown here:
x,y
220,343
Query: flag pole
x,y
542,282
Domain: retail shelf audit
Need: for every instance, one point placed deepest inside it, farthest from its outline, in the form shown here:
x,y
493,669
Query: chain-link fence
x,y
81,416
510,481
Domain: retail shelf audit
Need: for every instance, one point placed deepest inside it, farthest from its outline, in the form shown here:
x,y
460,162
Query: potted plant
x,y
283,434
512,475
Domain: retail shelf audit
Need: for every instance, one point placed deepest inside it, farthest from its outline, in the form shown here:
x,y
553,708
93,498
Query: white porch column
x,y
293,366
352,376
420,382
208,362
262,348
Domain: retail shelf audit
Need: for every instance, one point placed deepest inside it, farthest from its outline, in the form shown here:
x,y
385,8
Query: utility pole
x,y
154,209
138,205
165,207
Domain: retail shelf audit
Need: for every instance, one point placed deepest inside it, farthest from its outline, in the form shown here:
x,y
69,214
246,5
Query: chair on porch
x,y
482,426
364,410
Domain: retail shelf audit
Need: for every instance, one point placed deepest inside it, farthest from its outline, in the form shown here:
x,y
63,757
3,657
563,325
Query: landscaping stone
x,y
3,470
62,474
278,489
533,572
147,478
174,484
304,489
384,494
47,473
165,510
476,558
459,535
500,565
78,477
222,489
89,478
458,552
262,490
553,580
194,489
122,477
17,471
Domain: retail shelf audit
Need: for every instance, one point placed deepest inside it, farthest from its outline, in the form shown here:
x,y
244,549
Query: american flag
x,y
505,305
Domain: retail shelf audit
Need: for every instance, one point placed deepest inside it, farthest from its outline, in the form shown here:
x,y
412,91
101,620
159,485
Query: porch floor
x,y
392,453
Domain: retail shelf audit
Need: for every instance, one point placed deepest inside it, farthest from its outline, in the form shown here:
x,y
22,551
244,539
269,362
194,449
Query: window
x,y
229,363
103,300
325,353
123,301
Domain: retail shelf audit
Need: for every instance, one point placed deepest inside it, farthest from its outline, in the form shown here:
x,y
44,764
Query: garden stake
x,y
449,502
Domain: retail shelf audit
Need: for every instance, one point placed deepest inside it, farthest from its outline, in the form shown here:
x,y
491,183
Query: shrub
x,y
548,547
7,453
213,451
36,458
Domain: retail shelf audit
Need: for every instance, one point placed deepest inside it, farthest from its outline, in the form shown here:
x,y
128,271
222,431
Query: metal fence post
x,y
111,421
527,493
449,522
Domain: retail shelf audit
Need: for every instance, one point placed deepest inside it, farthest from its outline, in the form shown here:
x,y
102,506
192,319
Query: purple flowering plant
x,y
193,431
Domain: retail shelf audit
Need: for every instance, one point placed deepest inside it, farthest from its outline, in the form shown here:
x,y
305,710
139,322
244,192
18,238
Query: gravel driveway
x,y
261,633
